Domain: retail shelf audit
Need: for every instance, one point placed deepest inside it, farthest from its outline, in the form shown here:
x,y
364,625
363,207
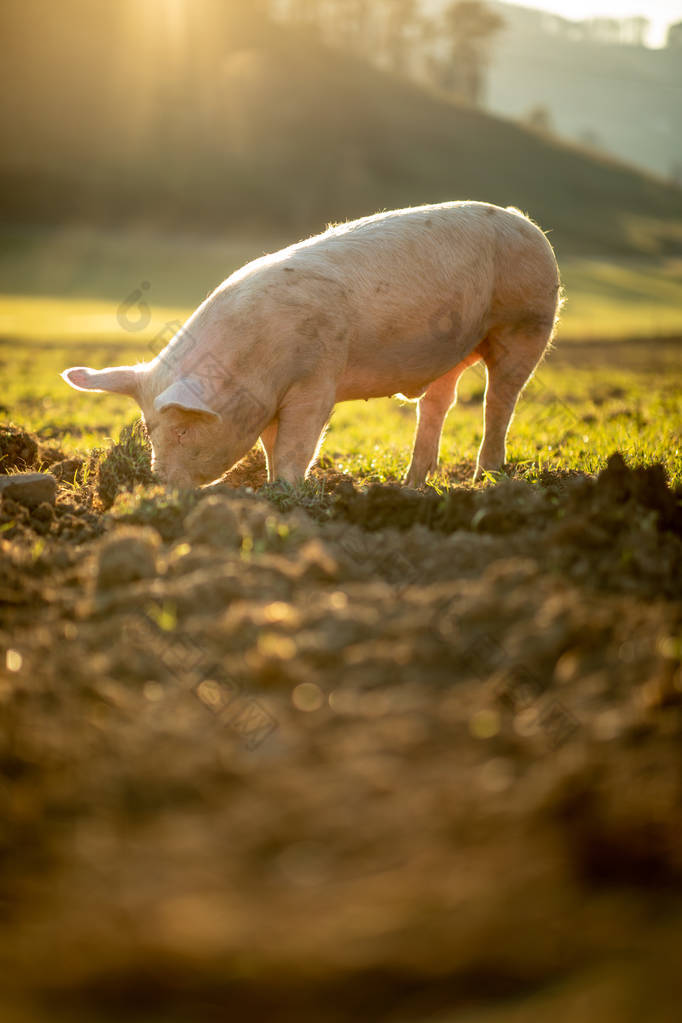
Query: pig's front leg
x,y
267,439
302,418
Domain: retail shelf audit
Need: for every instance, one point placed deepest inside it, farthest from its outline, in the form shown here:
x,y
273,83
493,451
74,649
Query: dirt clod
x,y
126,556
18,449
69,470
214,521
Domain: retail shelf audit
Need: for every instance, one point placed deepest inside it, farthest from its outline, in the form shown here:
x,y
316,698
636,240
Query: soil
x,y
357,753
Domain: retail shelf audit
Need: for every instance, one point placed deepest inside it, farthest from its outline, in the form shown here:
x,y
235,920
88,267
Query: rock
x,y
127,556
214,521
18,449
29,488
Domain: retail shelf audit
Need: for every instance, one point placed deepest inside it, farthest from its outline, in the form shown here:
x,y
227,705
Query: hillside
x,y
626,98
289,137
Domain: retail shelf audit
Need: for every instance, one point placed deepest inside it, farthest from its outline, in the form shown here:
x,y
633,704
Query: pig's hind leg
x,y
432,410
511,356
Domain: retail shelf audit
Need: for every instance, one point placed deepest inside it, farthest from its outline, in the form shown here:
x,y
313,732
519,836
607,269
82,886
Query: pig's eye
x,y
181,433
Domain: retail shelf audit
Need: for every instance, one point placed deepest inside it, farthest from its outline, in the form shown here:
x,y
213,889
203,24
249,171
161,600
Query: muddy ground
x,y
351,753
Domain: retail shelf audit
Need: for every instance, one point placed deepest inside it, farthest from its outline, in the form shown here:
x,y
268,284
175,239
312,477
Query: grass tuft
x,y
126,464
165,510
308,494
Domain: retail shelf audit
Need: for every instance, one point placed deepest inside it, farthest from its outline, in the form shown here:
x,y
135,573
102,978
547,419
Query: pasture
x,y
70,298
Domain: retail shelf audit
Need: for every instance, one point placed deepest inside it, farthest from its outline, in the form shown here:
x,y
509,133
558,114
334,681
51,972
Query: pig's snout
x,y
174,477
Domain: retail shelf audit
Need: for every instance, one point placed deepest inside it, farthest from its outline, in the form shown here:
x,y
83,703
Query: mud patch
x,y
341,753
18,449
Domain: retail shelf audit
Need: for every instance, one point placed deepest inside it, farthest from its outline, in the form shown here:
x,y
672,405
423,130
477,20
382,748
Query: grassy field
x,y
456,714
71,299
586,400
71,283
288,753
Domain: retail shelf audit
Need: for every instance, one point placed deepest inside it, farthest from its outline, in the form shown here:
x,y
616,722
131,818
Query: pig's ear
x,y
117,379
186,395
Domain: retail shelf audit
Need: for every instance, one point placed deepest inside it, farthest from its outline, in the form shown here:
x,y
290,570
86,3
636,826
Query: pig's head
x,y
191,442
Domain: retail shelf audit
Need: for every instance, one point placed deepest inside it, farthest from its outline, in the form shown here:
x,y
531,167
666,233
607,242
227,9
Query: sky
x,y
659,12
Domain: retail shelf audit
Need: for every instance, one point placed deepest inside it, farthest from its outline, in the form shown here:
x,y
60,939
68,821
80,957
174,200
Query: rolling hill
x,y
626,98
280,134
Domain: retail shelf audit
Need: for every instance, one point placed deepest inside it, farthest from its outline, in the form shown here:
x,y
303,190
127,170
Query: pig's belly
x,y
403,366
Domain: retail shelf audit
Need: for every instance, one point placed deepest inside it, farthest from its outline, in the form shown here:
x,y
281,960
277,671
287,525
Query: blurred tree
x,y
376,29
470,26
350,23
604,30
303,12
635,31
674,37
539,118
400,19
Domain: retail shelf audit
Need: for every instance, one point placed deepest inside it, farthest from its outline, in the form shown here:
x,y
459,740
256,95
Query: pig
x,y
399,303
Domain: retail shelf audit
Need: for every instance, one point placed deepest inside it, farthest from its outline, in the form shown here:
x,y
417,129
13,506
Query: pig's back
x,y
442,239
390,248
417,288
452,252
407,265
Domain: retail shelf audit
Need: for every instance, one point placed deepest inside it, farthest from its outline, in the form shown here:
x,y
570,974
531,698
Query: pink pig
x,y
397,303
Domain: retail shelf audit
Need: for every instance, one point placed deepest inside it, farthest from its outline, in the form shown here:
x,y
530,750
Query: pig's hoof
x,y
416,477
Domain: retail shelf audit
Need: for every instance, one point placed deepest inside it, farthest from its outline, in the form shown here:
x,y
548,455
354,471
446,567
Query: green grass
x,y
63,295
614,300
586,400
578,409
